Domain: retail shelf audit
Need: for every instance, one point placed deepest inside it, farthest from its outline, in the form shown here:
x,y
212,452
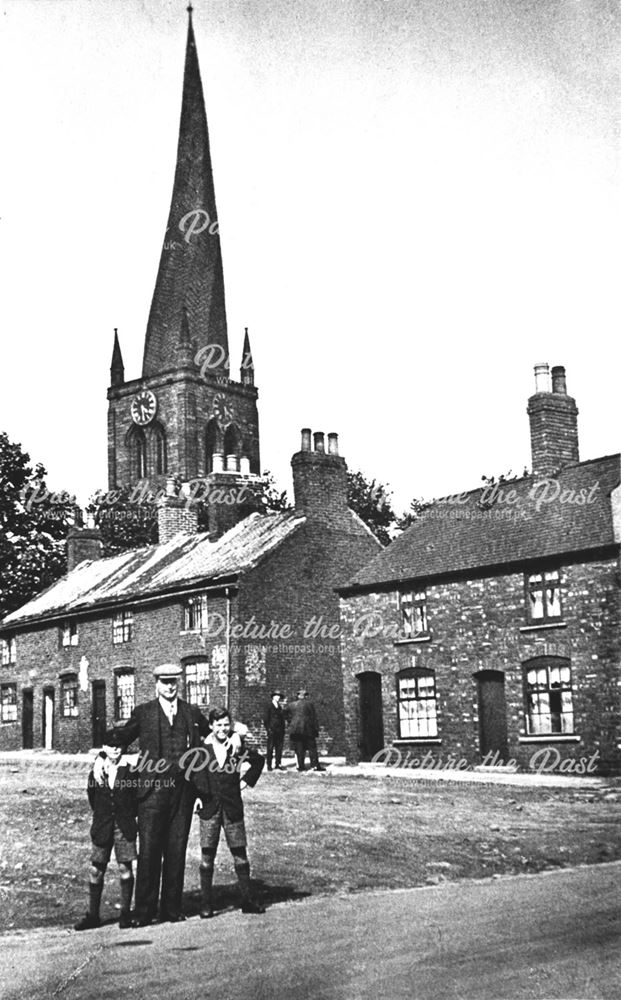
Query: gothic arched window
x,y
137,444
159,450
213,443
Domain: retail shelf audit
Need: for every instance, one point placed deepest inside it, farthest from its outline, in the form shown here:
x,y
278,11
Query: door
x,y
371,719
99,712
493,715
48,718
27,717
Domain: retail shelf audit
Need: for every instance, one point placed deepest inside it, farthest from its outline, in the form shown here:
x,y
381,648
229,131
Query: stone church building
x,y
245,607
490,630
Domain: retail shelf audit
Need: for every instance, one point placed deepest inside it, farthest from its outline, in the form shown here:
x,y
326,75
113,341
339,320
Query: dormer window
x,y
543,595
414,614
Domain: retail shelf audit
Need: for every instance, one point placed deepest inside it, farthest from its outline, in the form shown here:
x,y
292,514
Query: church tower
x,y
186,417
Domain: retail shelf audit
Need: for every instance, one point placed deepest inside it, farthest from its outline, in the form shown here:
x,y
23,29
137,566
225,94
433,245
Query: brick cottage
x,y
490,630
251,610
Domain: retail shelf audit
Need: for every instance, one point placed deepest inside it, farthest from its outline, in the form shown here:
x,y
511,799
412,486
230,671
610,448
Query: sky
x,y
418,201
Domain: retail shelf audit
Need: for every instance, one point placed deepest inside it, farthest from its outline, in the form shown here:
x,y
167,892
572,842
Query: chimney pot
x,y
319,441
333,444
217,463
559,382
306,439
231,463
244,465
542,377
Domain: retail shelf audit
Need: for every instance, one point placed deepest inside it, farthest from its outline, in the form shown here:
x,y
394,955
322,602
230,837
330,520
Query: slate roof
x,y
155,570
466,533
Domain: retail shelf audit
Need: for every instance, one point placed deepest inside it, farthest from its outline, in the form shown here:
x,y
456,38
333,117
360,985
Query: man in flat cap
x,y
274,719
304,730
166,728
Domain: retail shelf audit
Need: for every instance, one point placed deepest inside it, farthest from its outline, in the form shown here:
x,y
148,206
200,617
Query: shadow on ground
x,y
226,897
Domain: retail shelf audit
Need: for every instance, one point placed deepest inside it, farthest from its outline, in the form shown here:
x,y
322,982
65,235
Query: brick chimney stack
x,y
175,514
553,419
320,479
82,542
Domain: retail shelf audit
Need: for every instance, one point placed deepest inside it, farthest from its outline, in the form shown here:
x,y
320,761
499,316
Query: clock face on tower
x,y
222,408
143,407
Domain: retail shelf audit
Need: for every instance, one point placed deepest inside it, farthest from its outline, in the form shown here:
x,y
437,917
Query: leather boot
x,y
206,909
91,919
127,889
248,904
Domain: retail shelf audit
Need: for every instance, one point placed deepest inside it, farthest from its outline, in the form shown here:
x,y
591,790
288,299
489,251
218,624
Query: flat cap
x,y
302,691
167,670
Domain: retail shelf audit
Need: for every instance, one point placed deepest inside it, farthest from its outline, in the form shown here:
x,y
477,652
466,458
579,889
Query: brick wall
x,y
477,625
289,587
185,405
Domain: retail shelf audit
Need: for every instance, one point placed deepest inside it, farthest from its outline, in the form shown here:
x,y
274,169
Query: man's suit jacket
x,y
110,804
218,786
303,723
274,719
144,725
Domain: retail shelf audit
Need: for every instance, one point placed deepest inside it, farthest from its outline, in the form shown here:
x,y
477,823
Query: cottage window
x,y
549,706
414,614
8,651
195,613
544,596
8,702
123,627
124,700
69,696
69,634
416,693
197,683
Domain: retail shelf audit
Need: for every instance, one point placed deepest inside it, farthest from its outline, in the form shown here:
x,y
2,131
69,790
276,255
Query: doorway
x,y
48,718
99,712
27,718
371,716
492,714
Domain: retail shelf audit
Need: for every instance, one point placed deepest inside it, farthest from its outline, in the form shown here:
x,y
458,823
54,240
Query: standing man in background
x,y
304,730
274,719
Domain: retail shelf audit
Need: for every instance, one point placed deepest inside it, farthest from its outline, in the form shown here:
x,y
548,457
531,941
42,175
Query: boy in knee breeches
x,y
218,784
112,798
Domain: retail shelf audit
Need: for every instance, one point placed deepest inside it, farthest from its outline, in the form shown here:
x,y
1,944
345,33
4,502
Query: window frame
x,y
533,691
10,703
69,629
418,604
9,651
546,618
430,719
193,687
123,627
123,711
192,604
69,707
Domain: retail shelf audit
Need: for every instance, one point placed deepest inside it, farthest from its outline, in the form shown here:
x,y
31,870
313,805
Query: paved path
x,y
552,935
337,767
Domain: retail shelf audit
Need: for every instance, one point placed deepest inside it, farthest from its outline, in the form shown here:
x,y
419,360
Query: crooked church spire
x,y
190,271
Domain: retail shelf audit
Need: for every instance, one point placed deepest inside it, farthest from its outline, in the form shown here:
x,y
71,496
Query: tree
x,y
372,502
273,499
33,528
415,510
126,518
